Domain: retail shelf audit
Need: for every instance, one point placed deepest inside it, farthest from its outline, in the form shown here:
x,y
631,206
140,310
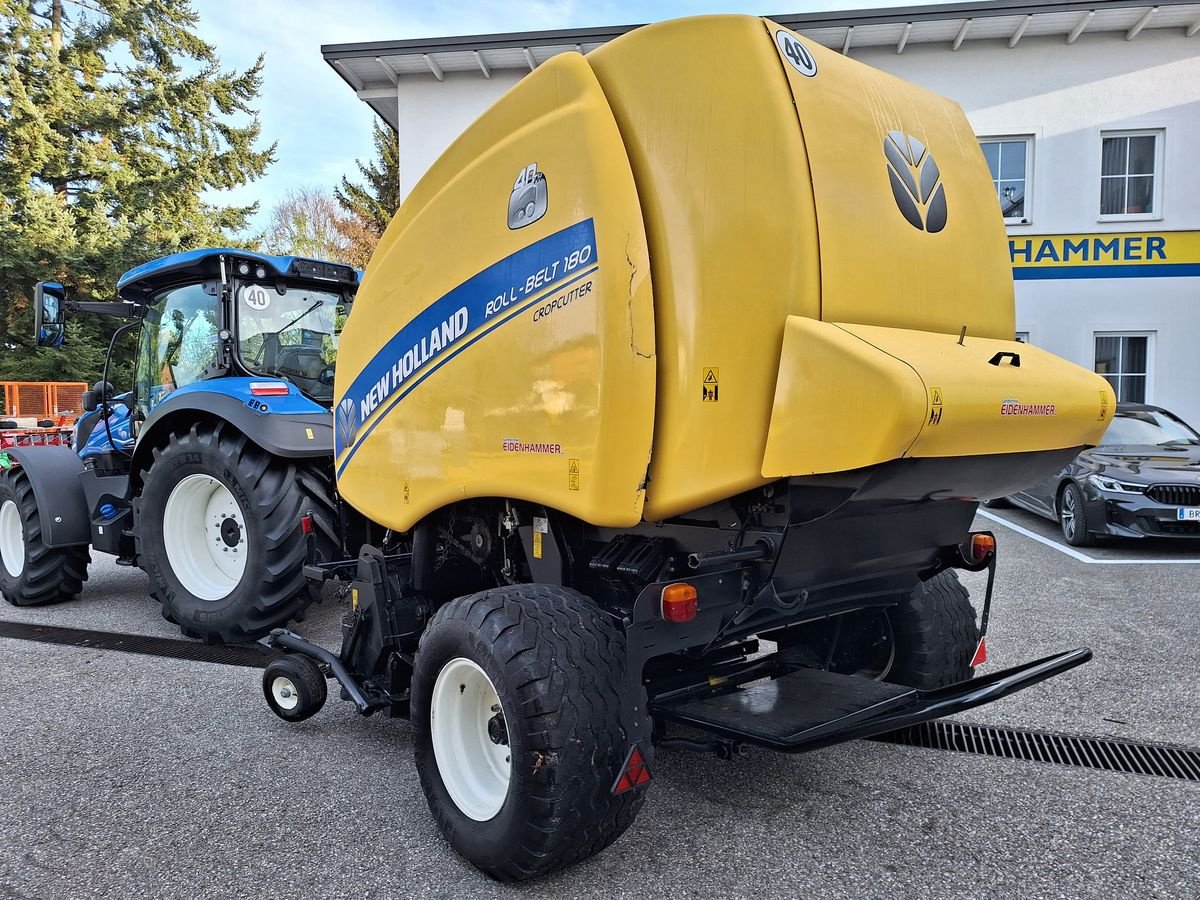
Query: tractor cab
x,y
210,314
216,313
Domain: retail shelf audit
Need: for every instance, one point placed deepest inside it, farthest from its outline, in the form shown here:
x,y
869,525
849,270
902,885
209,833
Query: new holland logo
x,y
347,421
916,182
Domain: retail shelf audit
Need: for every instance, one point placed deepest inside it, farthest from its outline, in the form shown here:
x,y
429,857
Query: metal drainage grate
x,y
250,655
1162,760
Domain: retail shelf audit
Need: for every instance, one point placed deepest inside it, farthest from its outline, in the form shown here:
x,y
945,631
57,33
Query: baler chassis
x,y
708,674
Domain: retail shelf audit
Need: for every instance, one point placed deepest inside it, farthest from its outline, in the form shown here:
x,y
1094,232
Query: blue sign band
x,y
451,323
1154,270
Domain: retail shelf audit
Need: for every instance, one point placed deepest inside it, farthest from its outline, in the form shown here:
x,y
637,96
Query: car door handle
x,y
999,358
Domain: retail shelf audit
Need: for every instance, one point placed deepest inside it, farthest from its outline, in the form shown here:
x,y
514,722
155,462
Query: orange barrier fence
x,y
43,399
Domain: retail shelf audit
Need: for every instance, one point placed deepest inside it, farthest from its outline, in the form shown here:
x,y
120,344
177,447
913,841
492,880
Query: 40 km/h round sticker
x,y
796,53
256,296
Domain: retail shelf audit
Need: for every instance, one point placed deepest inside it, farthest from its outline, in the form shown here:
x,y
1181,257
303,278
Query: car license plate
x,y
1188,514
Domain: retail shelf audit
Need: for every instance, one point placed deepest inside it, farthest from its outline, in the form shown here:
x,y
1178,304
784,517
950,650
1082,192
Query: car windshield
x,y
1148,427
290,334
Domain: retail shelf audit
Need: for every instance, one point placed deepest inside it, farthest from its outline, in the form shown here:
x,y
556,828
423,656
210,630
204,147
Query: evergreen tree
x,y
115,118
370,206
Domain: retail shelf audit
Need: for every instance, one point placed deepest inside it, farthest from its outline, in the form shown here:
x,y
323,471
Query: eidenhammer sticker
x,y
515,445
796,53
1017,408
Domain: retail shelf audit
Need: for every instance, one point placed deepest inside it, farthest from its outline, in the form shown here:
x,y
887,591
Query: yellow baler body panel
x,y
487,360
818,233
877,267
852,396
707,119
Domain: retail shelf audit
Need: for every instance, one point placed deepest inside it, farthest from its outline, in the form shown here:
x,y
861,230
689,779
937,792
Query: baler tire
x,y
556,665
46,574
294,687
935,634
271,494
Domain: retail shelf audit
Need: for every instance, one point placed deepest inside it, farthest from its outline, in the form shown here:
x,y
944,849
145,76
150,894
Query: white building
x,y
1088,113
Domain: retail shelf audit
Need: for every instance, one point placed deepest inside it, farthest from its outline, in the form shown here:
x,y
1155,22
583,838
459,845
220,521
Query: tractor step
x,y
811,708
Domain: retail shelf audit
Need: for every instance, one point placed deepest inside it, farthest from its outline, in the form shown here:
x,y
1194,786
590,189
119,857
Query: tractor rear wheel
x,y
221,533
32,574
516,713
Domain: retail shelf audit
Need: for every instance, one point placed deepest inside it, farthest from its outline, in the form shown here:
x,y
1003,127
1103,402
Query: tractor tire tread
x,y
280,492
51,574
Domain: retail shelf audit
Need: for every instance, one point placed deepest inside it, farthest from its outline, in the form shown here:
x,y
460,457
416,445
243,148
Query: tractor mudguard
x,y
54,474
287,425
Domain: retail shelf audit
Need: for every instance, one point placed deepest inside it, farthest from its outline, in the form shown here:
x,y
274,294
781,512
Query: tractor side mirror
x,y
49,313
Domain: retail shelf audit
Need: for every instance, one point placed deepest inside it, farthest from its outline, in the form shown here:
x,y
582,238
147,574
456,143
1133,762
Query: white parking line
x,y
1083,557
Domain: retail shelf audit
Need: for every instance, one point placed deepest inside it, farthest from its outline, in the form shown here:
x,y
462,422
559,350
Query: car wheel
x,y
1072,517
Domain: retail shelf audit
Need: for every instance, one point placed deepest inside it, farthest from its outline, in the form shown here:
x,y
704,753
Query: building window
x,y
1023,337
1008,159
1130,170
1124,359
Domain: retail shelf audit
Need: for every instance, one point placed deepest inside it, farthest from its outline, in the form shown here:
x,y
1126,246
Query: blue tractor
x,y
213,471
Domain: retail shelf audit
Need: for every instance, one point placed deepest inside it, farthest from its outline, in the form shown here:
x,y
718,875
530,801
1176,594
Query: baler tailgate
x,y
810,708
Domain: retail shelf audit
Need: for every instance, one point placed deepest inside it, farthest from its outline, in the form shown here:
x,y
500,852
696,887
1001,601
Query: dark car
x,y
1142,481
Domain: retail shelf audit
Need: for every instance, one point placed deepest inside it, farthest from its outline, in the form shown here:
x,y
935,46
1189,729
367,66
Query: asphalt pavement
x,y
137,776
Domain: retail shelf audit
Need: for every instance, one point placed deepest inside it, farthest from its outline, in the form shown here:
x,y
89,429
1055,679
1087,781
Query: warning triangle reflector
x,y
634,773
980,653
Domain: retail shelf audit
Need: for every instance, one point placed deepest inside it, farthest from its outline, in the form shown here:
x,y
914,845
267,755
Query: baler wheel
x,y
516,713
935,634
294,687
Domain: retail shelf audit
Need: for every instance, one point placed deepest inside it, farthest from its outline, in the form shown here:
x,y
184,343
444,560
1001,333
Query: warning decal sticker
x,y
935,405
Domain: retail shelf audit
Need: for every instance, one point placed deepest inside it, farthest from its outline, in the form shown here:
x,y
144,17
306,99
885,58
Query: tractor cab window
x,y
290,334
178,342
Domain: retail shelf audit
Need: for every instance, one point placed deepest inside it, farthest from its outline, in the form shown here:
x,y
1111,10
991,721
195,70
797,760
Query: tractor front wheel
x,y
32,574
221,533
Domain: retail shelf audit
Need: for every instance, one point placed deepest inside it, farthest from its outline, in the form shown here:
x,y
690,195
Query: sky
x,y
319,125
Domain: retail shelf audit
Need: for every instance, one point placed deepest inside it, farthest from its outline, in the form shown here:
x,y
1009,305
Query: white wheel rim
x,y
475,771
12,539
204,532
284,692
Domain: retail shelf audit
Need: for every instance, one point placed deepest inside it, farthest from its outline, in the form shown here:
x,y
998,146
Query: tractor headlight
x,y
1112,486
